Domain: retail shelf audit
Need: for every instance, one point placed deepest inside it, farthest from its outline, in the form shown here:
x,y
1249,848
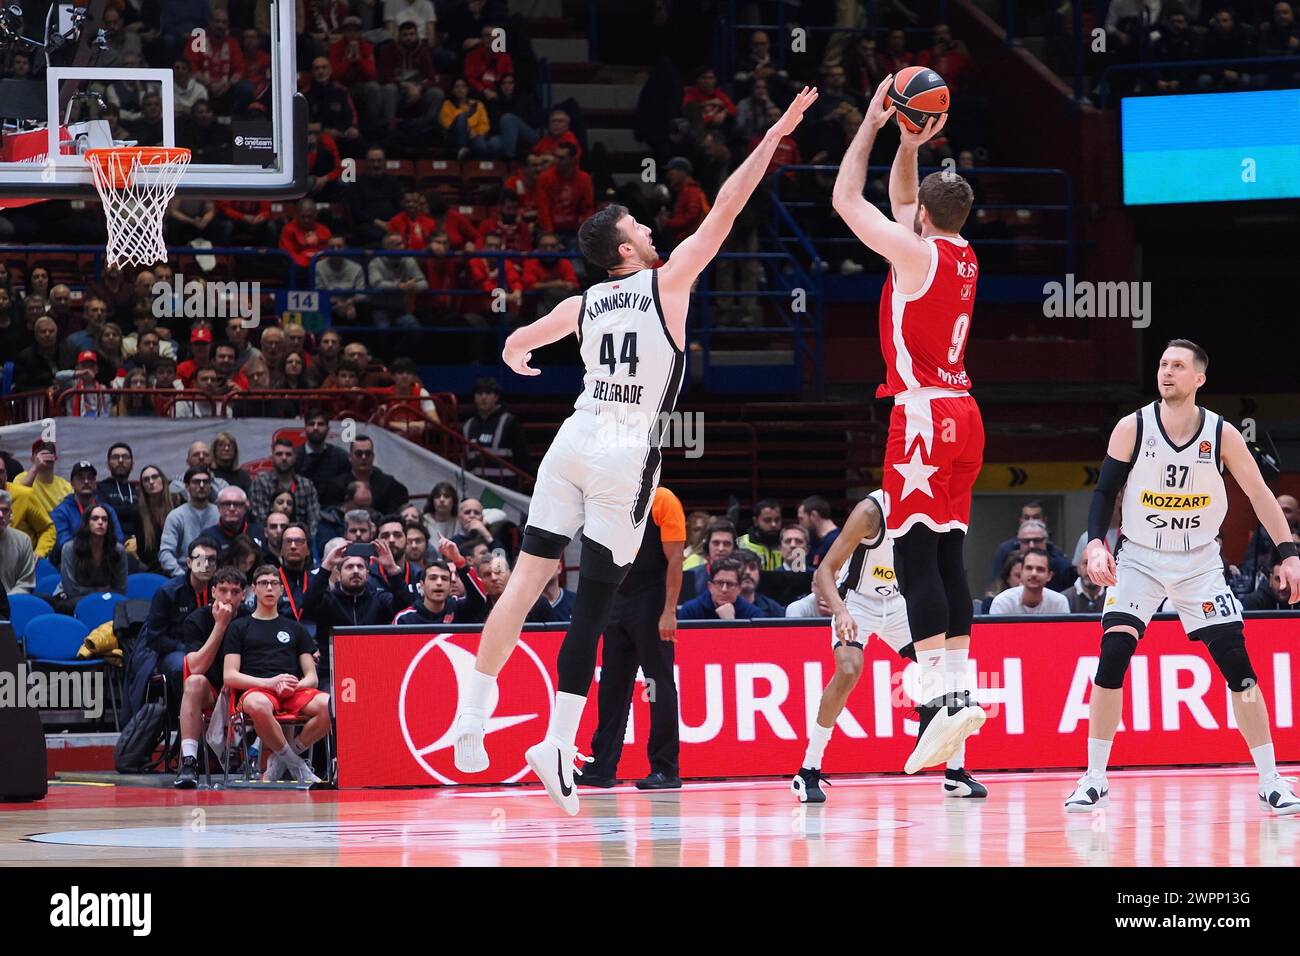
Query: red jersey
x,y
923,336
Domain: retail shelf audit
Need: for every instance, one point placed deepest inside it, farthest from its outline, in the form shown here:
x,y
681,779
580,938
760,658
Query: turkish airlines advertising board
x,y
748,693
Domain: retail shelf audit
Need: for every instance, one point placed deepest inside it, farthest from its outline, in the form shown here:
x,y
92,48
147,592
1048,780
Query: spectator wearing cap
x,y
67,515
498,431
27,515
565,195
690,204
88,398
200,355
48,487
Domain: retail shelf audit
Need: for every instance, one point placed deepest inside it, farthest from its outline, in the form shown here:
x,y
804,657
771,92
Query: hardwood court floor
x,y
1156,818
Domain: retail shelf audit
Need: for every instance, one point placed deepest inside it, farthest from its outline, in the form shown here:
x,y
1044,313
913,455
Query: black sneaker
x,y
807,785
588,780
188,778
959,783
657,781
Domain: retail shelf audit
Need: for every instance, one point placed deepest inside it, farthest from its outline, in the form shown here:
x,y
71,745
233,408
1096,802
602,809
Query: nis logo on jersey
x,y
1174,502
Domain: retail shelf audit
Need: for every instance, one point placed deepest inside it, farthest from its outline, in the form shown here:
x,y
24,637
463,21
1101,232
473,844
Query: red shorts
x,y
933,455
288,706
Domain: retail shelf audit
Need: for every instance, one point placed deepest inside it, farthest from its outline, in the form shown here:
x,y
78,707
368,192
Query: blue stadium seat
x,y
44,568
142,585
6,378
24,607
96,609
55,639
47,584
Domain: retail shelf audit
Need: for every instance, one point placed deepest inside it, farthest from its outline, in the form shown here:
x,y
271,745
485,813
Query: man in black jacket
x,y
499,432
317,459
389,494
118,491
437,605
1271,595
354,601
35,367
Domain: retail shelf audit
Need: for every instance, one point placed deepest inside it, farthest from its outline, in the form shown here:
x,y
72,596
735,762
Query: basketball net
x,y
136,184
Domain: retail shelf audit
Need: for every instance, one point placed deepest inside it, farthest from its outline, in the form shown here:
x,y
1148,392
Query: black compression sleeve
x,y
1113,475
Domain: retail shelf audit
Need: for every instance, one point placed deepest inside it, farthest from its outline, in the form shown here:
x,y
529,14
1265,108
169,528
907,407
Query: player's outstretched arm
x,y
1114,472
1242,466
896,242
555,325
691,257
864,521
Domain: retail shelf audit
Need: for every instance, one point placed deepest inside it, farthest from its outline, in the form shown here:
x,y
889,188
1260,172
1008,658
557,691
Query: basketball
x,y
918,93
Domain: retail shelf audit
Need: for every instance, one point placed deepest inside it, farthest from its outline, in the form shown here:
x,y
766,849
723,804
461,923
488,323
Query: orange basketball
x,y
918,93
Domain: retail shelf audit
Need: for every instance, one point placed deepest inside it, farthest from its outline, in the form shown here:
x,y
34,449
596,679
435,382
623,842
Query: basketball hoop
x,y
136,184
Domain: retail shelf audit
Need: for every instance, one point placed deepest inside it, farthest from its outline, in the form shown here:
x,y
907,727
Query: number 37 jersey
x,y
923,335
1175,499
633,367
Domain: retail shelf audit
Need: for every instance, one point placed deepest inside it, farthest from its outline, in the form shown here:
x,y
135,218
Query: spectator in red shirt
x,y
690,205
896,55
490,274
787,151
523,183
324,165
454,222
706,104
552,279
488,62
565,195
254,223
219,66
257,70
947,57
302,237
200,356
506,220
352,59
557,132
412,224
443,272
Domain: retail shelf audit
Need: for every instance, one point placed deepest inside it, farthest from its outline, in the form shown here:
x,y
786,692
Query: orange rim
x,y
118,173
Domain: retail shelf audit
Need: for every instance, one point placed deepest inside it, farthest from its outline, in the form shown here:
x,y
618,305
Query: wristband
x,y
1288,549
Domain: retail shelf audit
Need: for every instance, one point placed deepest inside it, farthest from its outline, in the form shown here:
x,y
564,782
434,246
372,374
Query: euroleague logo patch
x,y
433,690
1203,451
1207,608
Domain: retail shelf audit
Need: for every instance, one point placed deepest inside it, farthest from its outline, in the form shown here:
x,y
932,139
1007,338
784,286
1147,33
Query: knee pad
x,y
1117,648
543,544
597,563
1227,645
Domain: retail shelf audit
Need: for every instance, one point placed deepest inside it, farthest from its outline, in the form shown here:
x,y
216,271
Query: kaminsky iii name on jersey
x,y
1175,498
633,367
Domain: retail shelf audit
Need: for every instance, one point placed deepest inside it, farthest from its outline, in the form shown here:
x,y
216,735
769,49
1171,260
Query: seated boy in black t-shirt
x,y
202,632
269,662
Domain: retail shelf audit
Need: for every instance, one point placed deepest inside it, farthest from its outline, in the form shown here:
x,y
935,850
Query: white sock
x,y
1265,762
958,758
956,665
296,746
478,697
286,753
1098,756
564,721
189,748
932,674
817,741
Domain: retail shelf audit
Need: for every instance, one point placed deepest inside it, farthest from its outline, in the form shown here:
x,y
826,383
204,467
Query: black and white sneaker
x,y
188,778
943,727
959,783
1278,797
807,785
1090,793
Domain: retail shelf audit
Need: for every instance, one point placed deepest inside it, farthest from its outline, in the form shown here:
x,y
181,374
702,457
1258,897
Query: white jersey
x,y
870,569
633,367
1175,499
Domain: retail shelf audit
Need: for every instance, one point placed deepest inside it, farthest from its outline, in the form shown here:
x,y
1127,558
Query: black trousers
x,y
631,638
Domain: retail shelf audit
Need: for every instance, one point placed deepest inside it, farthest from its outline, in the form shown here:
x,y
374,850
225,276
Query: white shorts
x,y
884,618
604,487
1191,580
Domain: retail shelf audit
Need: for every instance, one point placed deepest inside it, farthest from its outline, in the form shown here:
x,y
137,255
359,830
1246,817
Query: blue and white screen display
x,y
1211,147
